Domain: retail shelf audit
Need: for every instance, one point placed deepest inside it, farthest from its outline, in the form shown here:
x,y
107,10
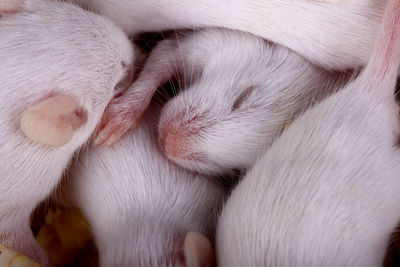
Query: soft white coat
x,y
48,49
327,192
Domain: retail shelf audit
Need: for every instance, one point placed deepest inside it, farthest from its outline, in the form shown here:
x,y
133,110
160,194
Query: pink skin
x,y
125,111
117,119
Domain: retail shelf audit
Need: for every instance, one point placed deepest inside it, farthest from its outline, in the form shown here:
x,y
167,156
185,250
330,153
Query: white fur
x,y
327,191
139,205
48,48
334,35
243,93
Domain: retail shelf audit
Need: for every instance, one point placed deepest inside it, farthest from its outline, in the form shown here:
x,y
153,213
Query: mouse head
x,y
236,109
62,65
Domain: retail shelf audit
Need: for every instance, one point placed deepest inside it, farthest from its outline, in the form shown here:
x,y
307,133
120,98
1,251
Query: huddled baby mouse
x,y
143,209
322,195
327,191
60,66
336,34
240,93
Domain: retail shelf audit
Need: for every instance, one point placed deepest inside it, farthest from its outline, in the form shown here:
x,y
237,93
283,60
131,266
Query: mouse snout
x,y
180,142
182,131
175,142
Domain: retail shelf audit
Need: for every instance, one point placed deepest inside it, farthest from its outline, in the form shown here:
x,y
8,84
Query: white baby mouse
x,y
337,34
327,192
60,66
240,93
142,208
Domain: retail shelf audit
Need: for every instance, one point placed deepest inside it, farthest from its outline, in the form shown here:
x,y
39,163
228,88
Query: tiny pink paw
x,y
114,124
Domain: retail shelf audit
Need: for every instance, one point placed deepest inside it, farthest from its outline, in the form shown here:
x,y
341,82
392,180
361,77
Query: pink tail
x,y
385,59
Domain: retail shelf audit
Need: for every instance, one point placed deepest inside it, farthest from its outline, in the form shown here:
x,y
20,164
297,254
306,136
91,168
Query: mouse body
x,y
142,208
239,92
334,34
60,66
326,193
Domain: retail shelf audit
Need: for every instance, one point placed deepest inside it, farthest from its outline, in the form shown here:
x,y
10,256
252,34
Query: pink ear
x,y
11,5
53,121
198,251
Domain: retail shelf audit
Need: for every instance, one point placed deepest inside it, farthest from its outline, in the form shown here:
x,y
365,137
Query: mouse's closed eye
x,y
242,98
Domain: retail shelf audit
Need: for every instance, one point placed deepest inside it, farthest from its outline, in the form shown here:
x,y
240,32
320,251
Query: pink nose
x,y
175,144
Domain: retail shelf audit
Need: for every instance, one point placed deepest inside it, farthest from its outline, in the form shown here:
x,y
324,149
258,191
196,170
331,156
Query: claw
x,y
112,130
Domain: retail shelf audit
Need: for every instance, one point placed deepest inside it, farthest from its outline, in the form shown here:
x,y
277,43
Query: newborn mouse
x,y
143,209
60,66
336,34
233,107
327,191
